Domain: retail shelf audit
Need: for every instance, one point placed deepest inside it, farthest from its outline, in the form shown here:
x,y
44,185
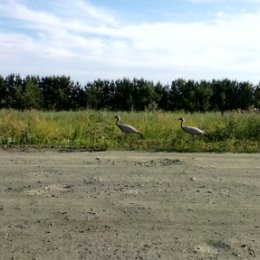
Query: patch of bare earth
x,y
129,205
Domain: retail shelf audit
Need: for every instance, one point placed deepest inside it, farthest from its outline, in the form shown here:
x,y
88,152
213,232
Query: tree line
x,y
61,93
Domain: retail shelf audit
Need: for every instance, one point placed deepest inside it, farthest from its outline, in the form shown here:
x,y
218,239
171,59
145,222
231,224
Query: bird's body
x,y
127,129
194,131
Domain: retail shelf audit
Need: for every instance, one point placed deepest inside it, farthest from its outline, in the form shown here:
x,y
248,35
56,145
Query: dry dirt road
x,y
129,205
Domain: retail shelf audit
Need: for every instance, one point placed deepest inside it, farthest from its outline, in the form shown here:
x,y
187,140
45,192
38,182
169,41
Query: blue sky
x,y
156,40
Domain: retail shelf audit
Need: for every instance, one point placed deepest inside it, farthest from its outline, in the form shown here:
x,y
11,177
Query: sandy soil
x,y
129,205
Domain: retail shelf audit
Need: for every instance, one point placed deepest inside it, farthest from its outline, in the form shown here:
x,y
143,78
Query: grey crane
x,y
127,129
194,131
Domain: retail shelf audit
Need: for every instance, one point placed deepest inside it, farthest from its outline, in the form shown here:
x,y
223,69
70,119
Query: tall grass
x,y
92,130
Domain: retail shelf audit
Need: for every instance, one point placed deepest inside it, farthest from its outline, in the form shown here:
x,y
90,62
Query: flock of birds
x,y
128,129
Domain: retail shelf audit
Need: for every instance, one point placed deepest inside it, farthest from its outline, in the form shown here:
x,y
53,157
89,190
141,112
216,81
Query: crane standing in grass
x,y
127,129
194,131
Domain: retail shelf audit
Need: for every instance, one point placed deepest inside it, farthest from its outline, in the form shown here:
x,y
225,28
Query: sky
x,y
158,40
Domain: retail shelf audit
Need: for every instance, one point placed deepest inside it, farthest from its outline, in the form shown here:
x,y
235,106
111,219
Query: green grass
x,y
93,130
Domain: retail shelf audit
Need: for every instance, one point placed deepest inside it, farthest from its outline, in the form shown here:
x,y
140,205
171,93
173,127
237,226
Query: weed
x,y
96,130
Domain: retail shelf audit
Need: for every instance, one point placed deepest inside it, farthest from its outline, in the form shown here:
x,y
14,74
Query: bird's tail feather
x,y
141,135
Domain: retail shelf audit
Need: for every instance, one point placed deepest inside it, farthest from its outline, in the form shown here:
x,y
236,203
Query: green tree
x,y
203,93
57,92
32,95
3,93
176,94
163,96
218,98
245,95
12,82
124,95
144,94
188,97
257,97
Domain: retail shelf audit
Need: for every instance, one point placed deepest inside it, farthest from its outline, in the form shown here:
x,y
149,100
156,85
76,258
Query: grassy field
x,y
92,130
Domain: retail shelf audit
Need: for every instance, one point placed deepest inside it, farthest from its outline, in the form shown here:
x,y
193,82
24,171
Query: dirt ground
x,y
129,205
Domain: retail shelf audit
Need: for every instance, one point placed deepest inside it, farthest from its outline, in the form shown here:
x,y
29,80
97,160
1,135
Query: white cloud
x,y
87,42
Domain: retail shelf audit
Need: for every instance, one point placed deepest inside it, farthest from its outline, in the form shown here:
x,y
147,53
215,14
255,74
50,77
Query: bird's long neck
x,y
182,123
117,120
